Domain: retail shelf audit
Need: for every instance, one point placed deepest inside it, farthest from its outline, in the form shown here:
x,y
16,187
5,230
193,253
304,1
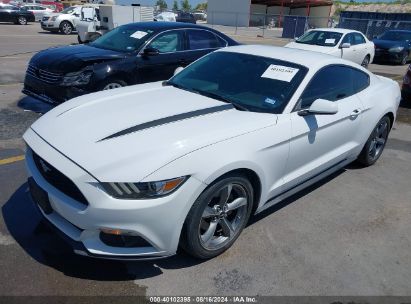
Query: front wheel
x,y
404,59
66,28
110,84
376,142
22,20
217,217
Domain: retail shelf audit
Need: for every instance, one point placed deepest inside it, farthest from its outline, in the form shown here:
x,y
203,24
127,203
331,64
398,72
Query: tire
x,y
94,37
110,84
79,40
21,20
366,61
404,59
375,144
212,226
66,28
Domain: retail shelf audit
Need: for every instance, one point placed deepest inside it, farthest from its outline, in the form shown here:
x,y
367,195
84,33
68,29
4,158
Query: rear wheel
x,y
376,142
66,28
22,20
366,61
217,217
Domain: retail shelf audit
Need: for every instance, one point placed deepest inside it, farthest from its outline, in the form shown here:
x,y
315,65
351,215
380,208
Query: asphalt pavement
x,y
347,235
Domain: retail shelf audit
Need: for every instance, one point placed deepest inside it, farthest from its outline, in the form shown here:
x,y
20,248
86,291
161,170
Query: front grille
x,y
58,179
48,77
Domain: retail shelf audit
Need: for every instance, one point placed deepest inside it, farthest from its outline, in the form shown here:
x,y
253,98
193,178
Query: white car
x,y
64,22
347,44
135,172
39,11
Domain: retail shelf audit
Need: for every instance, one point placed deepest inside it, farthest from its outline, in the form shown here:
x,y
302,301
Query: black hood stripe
x,y
170,119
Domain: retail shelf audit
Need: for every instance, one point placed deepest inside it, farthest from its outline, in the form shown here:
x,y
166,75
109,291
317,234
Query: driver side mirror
x,y
345,45
320,107
151,52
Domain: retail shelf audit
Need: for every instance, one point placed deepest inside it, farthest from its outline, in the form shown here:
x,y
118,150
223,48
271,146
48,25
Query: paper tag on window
x,y
279,72
329,41
138,34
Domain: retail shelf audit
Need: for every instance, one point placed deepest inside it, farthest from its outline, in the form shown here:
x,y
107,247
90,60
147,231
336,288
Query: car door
x,y
201,42
349,53
161,66
361,47
5,13
320,142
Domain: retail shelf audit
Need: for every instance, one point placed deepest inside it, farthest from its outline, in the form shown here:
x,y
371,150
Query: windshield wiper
x,y
222,98
207,94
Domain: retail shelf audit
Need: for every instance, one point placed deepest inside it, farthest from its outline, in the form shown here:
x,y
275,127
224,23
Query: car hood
x,y
387,44
72,58
310,47
127,134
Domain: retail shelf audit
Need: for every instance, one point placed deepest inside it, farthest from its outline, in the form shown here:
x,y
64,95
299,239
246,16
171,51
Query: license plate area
x,y
40,196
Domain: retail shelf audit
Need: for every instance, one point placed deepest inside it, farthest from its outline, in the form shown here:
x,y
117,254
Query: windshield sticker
x,y
138,34
279,72
329,41
270,101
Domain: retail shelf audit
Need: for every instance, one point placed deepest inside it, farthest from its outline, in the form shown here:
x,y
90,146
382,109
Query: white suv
x,y
65,21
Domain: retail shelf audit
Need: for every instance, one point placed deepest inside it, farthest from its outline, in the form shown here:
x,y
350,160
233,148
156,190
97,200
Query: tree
x,y
175,5
201,7
185,5
162,4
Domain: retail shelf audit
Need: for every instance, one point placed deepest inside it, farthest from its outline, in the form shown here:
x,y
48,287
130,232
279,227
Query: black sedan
x,y
393,46
130,54
15,14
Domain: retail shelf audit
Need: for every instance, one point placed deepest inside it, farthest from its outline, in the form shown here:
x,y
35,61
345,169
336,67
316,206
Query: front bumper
x,y
157,221
386,56
51,93
49,25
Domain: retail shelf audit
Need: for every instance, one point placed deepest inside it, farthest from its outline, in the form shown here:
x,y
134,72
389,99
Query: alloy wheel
x,y
365,62
113,85
224,216
379,140
67,28
22,20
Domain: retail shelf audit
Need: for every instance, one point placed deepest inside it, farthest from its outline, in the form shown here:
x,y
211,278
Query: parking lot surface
x,y
348,235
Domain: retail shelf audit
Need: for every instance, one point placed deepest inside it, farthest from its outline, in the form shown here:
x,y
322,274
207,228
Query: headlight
x,y
144,190
53,18
396,49
77,78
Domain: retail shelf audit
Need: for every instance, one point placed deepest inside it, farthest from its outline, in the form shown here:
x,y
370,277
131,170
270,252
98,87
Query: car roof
x,y
336,30
309,59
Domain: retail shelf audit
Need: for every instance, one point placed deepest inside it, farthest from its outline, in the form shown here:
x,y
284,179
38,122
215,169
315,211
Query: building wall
x,y
321,11
257,14
276,10
223,12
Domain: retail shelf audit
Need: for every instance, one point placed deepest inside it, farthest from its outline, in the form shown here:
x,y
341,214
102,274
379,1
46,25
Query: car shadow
x,y
29,103
40,242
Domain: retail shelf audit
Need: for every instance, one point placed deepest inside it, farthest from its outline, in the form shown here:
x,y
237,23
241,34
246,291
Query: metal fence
x,y
288,26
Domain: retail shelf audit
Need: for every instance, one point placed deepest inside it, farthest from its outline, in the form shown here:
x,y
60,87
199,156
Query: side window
x,y
331,83
358,38
168,42
361,80
199,39
348,39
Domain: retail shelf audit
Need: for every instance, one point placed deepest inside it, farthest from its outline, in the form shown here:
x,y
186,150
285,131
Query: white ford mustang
x,y
138,171
347,44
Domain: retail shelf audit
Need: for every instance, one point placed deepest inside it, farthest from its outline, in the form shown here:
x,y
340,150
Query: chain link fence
x,y
288,26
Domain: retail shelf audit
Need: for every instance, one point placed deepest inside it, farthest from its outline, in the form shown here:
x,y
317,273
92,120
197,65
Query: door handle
x,y
356,112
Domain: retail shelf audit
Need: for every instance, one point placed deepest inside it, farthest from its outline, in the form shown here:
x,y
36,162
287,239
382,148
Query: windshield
x,y
126,38
322,38
68,10
396,36
250,82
